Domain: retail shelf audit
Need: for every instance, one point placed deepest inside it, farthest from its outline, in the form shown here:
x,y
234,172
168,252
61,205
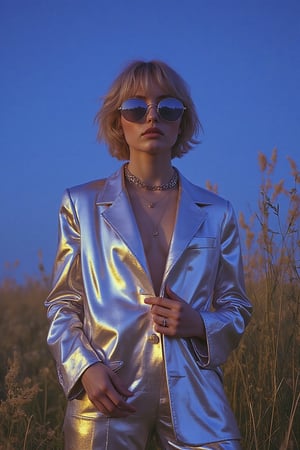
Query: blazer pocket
x,y
202,242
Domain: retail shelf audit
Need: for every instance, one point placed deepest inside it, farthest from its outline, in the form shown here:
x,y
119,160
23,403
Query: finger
x,y
109,409
119,395
108,398
151,300
163,323
160,304
156,300
123,407
111,404
119,386
164,328
169,310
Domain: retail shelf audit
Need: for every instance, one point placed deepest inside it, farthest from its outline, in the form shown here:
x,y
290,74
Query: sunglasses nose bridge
x,y
152,111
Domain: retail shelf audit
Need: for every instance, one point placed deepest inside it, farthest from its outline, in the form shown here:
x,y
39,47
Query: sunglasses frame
x,y
149,105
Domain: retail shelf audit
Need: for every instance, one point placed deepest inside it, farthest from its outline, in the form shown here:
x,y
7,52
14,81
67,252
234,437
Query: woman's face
x,y
151,134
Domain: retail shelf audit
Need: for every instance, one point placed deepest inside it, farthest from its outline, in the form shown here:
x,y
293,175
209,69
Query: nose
x,y
152,114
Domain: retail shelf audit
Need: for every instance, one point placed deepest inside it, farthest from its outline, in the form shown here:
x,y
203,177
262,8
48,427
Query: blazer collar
x,y
190,217
117,211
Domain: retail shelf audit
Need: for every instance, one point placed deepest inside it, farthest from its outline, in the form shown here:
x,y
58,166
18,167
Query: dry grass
x,y
31,404
262,376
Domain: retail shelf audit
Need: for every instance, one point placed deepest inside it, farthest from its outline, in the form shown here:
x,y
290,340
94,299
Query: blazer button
x,y
154,339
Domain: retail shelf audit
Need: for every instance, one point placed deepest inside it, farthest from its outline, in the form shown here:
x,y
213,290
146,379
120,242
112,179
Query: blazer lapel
x,y
116,210
190,216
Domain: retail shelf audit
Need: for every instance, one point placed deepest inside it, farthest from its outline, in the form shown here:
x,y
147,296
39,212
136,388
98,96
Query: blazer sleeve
x,y
66,339
231,312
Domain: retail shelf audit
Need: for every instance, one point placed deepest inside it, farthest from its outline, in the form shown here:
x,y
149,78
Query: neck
x,y
151,170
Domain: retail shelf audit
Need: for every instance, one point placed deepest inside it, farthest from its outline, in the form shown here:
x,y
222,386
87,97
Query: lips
x,y
152,130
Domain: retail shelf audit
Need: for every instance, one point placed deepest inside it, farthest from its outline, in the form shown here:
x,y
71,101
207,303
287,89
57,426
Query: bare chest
x,y
155,221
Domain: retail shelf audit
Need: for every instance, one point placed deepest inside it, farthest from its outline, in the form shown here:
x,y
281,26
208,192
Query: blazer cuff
x,y
201,351
70,380
200,348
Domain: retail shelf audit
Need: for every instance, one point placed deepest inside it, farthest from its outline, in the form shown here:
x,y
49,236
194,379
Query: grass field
x,y
262,378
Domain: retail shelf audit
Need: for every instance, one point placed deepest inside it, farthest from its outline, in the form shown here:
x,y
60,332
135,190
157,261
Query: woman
x,y
148,294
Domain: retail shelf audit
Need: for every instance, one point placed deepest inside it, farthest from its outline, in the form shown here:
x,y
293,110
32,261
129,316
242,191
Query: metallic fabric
x,y
221,445
97,312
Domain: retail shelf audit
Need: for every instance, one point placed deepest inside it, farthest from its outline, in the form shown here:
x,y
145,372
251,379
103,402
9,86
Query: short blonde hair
x,y
141,75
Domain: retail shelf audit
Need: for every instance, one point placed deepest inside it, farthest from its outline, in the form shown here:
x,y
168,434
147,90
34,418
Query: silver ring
x,y
165,323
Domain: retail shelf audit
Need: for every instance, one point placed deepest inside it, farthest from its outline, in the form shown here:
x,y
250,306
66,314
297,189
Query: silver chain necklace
x,y
161,187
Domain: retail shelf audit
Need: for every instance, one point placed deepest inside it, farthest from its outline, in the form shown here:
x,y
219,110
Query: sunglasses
x,y
135,109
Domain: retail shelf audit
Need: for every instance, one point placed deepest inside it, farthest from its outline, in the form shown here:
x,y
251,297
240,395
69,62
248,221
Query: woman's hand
x,y
106,391
174,317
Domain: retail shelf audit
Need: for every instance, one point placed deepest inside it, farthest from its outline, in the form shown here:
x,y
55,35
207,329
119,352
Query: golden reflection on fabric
x,y
97,312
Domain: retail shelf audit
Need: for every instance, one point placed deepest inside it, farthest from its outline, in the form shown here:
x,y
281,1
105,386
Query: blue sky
x,y
241,60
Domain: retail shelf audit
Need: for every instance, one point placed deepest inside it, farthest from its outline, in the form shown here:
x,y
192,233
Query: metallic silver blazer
x,y
97,312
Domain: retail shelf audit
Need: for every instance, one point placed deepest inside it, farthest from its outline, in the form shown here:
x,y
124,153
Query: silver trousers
x,y
136,431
